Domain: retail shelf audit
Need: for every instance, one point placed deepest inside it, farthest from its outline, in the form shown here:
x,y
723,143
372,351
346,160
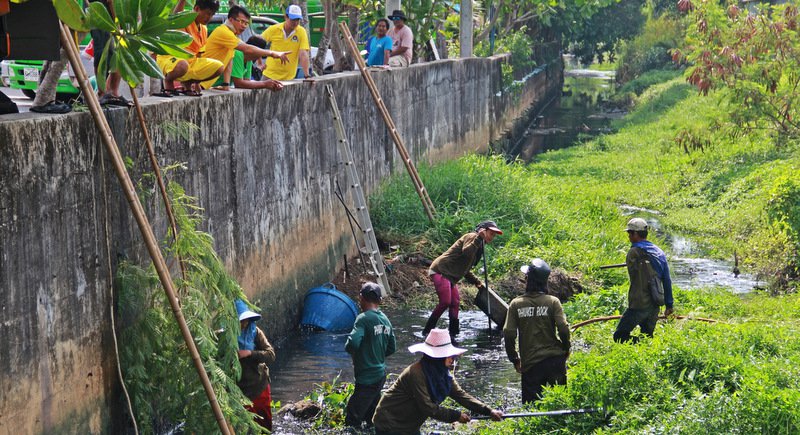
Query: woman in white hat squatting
x,y
422,387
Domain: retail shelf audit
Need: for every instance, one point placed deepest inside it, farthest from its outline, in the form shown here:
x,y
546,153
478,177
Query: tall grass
x,y
730,194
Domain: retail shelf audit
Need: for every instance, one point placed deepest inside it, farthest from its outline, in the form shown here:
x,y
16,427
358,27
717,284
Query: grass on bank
x,y
675,155
672,155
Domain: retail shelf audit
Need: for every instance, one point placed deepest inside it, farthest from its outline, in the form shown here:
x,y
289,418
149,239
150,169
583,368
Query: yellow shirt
x,y
279,41
221,44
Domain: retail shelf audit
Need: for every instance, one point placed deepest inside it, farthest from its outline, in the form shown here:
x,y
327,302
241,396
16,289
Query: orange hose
x,y
606,318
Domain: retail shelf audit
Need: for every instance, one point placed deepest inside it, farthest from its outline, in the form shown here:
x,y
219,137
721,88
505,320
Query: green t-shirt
x,y
370,342
239,69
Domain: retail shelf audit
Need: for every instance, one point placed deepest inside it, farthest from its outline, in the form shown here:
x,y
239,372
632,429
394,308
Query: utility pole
x,y
465,31
392,5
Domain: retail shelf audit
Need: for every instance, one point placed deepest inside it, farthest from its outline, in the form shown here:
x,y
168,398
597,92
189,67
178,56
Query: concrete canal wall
x,y
263,166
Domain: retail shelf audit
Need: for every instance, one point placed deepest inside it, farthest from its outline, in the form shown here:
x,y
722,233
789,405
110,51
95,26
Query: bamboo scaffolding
x,y
141,219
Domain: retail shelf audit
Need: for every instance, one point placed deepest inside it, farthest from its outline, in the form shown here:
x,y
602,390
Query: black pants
x,y
549,371
645,319
362,403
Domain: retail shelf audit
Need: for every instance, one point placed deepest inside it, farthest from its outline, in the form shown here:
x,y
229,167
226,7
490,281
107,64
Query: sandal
x,y
52,107
167,93
112,100
191,93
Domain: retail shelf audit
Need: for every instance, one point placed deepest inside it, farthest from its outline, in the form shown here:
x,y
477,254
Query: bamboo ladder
x,y
430,210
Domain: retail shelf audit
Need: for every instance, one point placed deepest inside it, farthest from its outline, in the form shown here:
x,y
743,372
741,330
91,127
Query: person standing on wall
x,y
288,36
643,259
370,342
255,353
402,40
448,269
538,317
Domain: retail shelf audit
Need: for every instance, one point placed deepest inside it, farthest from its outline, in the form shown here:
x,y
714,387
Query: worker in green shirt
x,y
543,334
370,342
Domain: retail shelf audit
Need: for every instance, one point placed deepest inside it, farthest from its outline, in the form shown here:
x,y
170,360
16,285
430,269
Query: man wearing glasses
x,y
224,40
402,40
292,38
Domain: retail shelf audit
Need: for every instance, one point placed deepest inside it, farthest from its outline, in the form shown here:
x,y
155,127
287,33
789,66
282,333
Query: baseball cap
x,y
489,225
294,12
372,292
636,224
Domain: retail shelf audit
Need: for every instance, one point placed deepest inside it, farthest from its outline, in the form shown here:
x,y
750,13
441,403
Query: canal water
x,y
307,358
310,358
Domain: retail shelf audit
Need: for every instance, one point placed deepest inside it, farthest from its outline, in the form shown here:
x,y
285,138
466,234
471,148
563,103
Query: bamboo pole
x,y
430,210
151,152
141,219
607,318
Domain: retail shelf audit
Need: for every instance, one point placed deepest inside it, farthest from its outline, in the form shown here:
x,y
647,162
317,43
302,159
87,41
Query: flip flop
x,y
191,93
164,93
52,107
112,100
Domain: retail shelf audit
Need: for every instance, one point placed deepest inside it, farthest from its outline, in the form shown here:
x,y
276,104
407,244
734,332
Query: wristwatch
x,y
225,84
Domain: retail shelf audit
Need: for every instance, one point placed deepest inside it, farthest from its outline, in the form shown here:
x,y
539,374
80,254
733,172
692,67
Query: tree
x,y
755,55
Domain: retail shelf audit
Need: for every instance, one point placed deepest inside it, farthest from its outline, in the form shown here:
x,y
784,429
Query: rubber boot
x,y
453,328
428,326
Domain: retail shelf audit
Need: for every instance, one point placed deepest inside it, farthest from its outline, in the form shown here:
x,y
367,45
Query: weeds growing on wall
x,y
156,365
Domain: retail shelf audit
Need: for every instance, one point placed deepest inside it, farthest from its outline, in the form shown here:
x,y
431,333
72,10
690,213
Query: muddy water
x,y
312,358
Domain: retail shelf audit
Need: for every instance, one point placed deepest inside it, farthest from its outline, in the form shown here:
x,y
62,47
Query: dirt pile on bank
x,y
408,277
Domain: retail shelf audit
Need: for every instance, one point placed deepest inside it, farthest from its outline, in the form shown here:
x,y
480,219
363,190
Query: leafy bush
x,y
332,397
520,46
755,55
651,49
157,368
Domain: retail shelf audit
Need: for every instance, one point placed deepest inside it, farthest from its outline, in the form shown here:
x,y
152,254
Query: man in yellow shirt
x,y
292,37
224,40
195,69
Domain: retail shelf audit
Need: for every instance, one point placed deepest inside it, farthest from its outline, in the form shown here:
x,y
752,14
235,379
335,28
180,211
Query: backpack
x,y
654,284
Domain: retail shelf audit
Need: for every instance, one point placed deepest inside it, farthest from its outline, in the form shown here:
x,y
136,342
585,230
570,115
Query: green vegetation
x,y
741,376
332,397
669,156
730,193
651,49
164,387
756,56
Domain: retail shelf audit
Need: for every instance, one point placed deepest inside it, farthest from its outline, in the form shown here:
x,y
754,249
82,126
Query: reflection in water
x,y
308,358
579,112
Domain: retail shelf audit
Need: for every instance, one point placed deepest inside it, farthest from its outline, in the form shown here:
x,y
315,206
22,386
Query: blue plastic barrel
x,y
328,309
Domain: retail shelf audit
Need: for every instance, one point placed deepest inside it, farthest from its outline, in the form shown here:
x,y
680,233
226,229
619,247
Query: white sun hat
x,y
437,345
